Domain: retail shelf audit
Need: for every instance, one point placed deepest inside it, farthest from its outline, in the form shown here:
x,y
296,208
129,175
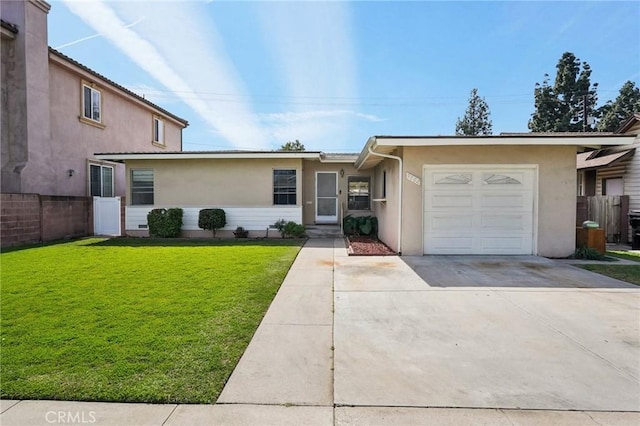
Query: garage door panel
x,y
505,201
443,222
476,209
511,222
451,245
450,201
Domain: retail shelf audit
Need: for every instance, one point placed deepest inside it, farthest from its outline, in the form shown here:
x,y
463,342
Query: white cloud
x,y
174,45
312,50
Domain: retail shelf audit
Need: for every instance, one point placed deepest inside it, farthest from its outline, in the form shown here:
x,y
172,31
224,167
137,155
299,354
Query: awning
x,y
601,158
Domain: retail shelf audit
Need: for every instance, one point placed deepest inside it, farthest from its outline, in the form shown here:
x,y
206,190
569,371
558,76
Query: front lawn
x,y
133,320
628,273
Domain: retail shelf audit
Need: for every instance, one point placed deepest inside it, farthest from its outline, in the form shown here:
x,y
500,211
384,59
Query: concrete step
x,y
324,231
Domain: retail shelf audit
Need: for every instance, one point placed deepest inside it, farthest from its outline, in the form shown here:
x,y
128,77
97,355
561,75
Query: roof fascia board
x,y
502,140
208,155
364,154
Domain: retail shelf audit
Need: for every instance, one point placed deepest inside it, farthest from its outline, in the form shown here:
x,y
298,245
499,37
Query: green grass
x,y
133,320
628,273
629,255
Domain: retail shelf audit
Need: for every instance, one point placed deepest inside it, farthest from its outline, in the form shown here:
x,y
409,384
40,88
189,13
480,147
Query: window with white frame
x,y
580,188
358,194
141,187
158,130
284,187
101,180
91,103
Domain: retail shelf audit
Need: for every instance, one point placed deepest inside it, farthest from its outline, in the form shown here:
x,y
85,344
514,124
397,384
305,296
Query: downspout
x,y
394,157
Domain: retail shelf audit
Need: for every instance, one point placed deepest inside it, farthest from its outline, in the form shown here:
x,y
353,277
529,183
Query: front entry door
x,y
326,197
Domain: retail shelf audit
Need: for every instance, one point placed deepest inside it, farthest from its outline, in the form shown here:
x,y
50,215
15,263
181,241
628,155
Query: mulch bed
x,y
366,246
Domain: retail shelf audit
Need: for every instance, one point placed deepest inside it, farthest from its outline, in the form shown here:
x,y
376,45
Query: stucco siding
x,y
216,182
556,190
309,187
387,212
127,127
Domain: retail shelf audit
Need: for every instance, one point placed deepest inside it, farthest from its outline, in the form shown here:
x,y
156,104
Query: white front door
x,y
478,209
326,197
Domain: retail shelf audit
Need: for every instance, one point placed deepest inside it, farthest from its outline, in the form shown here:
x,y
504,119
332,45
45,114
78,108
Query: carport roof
x,y
387,144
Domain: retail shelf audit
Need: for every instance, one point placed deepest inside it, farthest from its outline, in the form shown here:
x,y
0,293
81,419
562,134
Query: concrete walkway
x,y
290,375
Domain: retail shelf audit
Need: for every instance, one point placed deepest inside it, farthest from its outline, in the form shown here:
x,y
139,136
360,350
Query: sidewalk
x,y
286,375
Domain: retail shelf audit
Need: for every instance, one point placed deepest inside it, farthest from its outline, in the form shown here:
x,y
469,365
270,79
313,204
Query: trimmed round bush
x,y
165,223
212,219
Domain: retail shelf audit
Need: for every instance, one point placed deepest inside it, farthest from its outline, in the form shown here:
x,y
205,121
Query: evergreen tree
x,y
547,116
292,146
476,119
613,113
561,108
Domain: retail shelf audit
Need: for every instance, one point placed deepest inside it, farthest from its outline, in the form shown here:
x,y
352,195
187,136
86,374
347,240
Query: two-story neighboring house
x,y
56,113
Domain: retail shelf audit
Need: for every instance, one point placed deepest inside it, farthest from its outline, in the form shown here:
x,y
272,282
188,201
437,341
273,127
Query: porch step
x,y
324,231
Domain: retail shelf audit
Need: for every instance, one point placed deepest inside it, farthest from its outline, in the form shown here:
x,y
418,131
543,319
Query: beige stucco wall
x,y
309,187
127,127
387,212
556,204
215,182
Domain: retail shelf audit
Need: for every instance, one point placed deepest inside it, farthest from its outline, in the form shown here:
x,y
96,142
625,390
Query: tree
x,y
547,117
613,113
476,119
562,108
293,146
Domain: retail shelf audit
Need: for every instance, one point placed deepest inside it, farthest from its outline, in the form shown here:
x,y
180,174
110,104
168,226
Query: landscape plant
x,y
290,229
212,219
165,223
360,225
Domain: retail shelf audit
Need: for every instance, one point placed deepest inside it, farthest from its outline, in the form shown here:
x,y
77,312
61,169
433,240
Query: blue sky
x,y
253,75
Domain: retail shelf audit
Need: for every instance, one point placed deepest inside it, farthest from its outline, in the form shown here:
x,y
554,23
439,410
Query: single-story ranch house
x,y
507,194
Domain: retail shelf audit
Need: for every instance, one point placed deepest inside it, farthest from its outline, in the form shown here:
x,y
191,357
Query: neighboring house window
x,y
613,186
101,180
284,187
91,103
580,183
358,198
158,131
141,187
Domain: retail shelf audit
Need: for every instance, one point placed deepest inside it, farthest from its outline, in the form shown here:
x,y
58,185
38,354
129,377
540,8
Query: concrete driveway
x,y
484,332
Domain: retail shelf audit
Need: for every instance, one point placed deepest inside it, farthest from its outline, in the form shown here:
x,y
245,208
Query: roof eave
x,y
185,155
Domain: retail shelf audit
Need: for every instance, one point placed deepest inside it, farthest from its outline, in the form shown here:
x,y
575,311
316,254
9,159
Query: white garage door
x,y
472,209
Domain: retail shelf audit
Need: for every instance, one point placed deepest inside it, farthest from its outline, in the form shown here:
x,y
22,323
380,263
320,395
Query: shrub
x,y
360,225
212,219
290,229
165,223
294,230
279,225
588,253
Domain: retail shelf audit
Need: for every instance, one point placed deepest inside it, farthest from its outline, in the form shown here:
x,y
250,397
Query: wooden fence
x,y
610,211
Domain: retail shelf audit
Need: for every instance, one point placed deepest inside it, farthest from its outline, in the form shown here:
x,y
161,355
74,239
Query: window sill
x,y
91,122
379,200
158,144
